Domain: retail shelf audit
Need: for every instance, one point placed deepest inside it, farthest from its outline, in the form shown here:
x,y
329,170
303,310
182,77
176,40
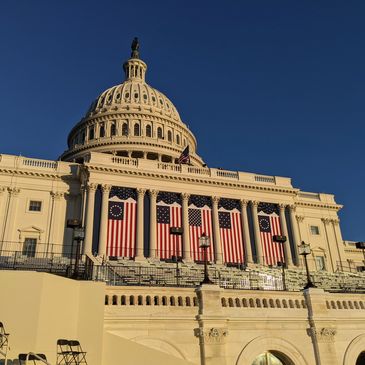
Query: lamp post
x,y
78,235
305,250
176,231
204,243
281,239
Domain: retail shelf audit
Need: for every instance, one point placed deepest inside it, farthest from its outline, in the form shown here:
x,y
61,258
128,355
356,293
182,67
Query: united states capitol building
x,y
104,246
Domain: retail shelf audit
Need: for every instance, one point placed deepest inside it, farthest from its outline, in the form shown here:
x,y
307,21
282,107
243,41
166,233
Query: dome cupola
x,y
133,120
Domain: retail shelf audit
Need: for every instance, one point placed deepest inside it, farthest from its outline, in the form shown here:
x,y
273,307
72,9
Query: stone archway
x,y
281,348
354,350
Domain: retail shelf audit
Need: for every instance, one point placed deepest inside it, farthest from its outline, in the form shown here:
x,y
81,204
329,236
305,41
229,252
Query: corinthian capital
x,y
326,220
13,191
300,218
153,193
292,207
244,203
215,199
185,196
105,188
141,191
92,186
282,206
255,203
57,195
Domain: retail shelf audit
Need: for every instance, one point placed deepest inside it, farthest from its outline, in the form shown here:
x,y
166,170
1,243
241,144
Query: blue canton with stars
x,y
268,208
195,217
224,220
163,214
229,204
169,198
200,200
123,193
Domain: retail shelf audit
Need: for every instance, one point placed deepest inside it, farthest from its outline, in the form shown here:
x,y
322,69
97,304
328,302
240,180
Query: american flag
x,y
185,156
200,221
168,215
269,223
121,236
230,228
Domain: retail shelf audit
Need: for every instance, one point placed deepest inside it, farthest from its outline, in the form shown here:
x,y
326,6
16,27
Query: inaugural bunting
x,y
121,235
230,228
269,223
168,215
200,221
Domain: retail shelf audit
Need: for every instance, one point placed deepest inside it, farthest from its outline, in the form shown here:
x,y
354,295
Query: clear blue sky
x,y
274,87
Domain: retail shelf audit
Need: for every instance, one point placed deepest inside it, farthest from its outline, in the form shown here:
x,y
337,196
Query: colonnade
x,y
250,257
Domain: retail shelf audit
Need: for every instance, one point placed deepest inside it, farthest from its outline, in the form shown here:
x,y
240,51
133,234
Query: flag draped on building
x,y
168,215
269,223
200,221
230,228
185,156
121,234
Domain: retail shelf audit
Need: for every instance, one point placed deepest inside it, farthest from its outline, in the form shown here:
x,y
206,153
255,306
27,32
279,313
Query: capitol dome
x,y
133,120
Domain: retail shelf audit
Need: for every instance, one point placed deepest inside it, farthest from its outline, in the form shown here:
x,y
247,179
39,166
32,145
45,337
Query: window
x,y
91,133
314,230
125,129
29,247
178,139
102,131
35,206
267,359
159,132
320,263
113,129
136,129
148,131
169,136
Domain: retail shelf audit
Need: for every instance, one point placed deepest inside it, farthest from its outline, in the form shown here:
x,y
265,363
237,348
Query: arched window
x,y
178,139
268,358
148,131
113,129
361,359
169,136
102,131
136,129
159,132
83,137
91,133
125,129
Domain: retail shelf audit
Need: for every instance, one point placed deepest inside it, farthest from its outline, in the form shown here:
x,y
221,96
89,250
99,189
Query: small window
x,y
35,206
29,247
178,139
169,136
314,230
320,263
136,129
148,131
102,131
91,133
125,129
113,130
159,132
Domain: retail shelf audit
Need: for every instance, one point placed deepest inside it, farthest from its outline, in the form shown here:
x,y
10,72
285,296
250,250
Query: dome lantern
x,y
135,68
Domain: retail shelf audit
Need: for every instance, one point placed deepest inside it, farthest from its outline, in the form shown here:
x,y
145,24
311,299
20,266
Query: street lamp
x,y
281,239
204,243
176,231
78,235
305,250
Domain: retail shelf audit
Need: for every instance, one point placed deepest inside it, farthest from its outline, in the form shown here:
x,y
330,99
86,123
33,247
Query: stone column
x,y
296,238
339,241
105,189
246,232
326,223
259,256
90,205
153,223
284,230
11,218
57,222
216,233
186,250
140,224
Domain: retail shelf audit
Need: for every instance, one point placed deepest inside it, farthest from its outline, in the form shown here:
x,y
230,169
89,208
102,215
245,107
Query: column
x,y
284,230
11,217
105,189
296,238
140,224
326,223
216,233
259,256
186,231
57,222
153,223
88,244
246,232
339,241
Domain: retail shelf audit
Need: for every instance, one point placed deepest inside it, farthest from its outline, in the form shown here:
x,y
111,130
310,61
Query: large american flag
x,y
168,215
230,228
200,221
121,236
269,223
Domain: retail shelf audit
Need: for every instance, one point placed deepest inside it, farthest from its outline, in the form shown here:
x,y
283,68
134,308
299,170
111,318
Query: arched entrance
x,y
361,359
271,358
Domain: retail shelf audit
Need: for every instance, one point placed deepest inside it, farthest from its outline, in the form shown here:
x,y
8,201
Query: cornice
x,y
38,174
336,207
196,180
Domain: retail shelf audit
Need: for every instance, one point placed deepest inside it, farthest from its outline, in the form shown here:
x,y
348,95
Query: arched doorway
x,y
361,359
271,358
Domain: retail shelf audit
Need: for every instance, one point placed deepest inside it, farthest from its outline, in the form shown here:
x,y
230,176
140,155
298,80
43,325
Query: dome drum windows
x,y
102,131
177,139
91,133
169,136
136,130
159,133
113,129
125,129
148,130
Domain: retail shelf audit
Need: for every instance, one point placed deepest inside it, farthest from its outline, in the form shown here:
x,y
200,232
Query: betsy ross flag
x,y
168,215
185,156
200,221
121,234
269,224
230,229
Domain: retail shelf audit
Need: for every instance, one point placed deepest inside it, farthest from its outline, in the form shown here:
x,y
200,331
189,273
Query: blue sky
x,y
274,87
